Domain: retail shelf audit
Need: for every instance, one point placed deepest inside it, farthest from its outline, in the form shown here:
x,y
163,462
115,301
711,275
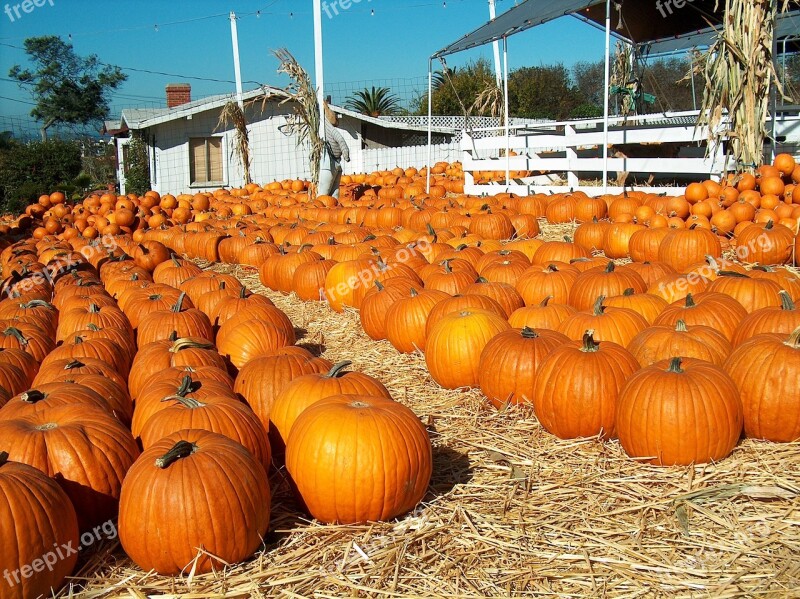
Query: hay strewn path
x,y
512,511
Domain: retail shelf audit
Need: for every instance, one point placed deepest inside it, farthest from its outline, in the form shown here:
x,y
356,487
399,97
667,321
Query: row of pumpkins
x,y
148,390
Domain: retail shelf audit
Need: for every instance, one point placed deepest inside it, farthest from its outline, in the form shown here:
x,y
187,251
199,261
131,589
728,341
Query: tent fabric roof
x,y
661,21
787,27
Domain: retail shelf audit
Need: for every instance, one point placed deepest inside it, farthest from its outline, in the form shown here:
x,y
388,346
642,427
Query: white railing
x,y
575,147
383,159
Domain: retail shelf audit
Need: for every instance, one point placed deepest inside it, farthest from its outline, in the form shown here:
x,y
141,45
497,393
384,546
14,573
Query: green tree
x,y
137,175
542,93
28,170
458,90
375,102
67,88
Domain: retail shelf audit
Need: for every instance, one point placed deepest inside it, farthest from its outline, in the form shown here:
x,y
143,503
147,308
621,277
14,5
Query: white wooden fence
x,y
555,148
383,159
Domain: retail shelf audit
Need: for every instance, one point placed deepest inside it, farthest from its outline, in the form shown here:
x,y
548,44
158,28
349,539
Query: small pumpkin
x,y
510,361
453,347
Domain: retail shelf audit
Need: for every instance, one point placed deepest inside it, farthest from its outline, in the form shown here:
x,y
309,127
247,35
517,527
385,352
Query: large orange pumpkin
x,y
337,445
679,412
576,387
766,369
42,531
167,514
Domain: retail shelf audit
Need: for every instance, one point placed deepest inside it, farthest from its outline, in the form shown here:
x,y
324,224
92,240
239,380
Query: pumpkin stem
x,y
690,301
610,266
186,343
794,339
74,364
94,308
78,339
379,285
173,336
481,280
675,366
529,333
179,304
92,327
3,458
680,326
629,292
551,268
174,257
37,303
786,300
589,344
242,292
187,402
598,308
732,273
462,247
769,225
32,396
447,268
337,369
17,334
187,386
545,301
414,292
182,449
222,285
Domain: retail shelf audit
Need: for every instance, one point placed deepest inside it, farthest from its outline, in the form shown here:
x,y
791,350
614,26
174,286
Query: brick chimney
x,y
178,93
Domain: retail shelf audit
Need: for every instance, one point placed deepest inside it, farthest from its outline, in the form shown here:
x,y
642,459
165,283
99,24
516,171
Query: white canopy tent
x,y
661,27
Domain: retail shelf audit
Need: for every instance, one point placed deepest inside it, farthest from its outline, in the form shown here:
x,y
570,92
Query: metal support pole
x,y
605,98
505,104
430,125
236,67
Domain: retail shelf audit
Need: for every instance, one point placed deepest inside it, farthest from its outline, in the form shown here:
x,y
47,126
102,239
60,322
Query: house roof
x,y
141,118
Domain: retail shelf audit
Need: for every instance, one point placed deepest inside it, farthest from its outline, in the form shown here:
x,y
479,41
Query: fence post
x,y
571,154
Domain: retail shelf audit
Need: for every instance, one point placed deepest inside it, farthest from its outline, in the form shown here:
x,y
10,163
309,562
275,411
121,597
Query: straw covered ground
x,y
511,511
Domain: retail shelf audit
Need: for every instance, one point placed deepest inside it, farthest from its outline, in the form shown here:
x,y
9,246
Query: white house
x,y
189,152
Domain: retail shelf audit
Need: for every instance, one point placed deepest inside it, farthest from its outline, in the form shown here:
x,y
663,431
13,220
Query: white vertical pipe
x,y
236,67
505,104
495,44
605,94
430,125
318,66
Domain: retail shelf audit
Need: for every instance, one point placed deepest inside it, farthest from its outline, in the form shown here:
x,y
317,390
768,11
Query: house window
x,y
205,160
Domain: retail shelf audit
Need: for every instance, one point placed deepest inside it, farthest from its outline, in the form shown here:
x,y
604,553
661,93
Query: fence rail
x,y
669,145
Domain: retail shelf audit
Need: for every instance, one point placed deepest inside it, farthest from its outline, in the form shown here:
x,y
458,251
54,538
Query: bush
x,y
28,170
137,177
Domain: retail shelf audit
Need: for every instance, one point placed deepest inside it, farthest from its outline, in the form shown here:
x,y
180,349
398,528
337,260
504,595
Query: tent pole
x,y
430,125
495,44
505,107
318,65
774,91
605,98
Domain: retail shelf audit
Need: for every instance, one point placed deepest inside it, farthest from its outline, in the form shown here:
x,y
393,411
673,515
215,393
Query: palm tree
x,y
374,102
440,77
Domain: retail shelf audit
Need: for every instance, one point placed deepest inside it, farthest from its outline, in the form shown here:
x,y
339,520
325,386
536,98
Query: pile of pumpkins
x,y
136,386
635,328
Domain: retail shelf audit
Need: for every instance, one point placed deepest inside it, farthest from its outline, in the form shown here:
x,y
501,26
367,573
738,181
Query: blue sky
x,y
192,38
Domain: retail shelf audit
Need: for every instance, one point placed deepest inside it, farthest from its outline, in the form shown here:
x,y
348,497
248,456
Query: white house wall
x,y
273,155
